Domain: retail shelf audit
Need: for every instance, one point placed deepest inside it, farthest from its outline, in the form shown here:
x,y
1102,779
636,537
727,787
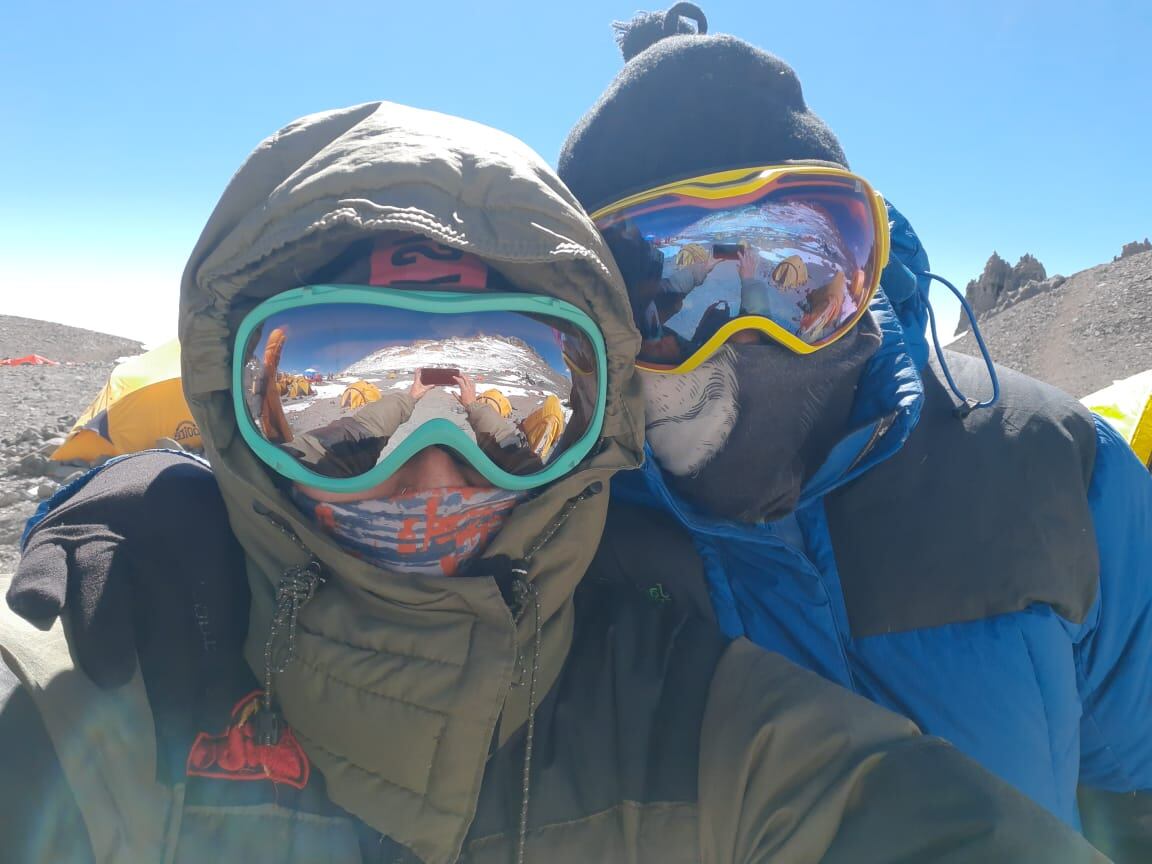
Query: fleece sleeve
x,y
795,768
1114,657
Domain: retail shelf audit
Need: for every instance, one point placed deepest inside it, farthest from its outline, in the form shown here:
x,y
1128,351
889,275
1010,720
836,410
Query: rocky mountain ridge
x,y
1001,285
60,342
1080,333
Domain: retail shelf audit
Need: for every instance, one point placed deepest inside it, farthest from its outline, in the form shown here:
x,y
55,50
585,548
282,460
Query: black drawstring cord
x,y
296,587
522,590
525,590
969,405
593,488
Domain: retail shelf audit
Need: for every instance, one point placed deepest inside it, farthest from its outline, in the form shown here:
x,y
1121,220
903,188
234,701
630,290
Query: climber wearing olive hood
x,y
443,660
981,566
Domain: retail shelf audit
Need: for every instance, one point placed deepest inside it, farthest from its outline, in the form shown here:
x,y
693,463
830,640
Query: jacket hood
x,y
444,652
905,283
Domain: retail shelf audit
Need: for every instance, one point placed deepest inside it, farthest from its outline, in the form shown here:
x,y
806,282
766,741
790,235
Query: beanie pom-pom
x,y
647,28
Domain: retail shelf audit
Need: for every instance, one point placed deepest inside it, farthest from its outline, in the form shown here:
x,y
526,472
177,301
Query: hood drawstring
x,y
521,592
969,404
296,587
299,584
525,590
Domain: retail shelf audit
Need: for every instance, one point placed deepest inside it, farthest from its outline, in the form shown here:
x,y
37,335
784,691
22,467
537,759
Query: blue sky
x,y
1017,126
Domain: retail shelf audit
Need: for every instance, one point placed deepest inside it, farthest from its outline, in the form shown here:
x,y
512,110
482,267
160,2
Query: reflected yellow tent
x,y
299,387
1127,405
497,400
543,426
293,386
142,402
359,394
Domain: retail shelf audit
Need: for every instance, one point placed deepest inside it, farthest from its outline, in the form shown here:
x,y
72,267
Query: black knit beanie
x,y
687,103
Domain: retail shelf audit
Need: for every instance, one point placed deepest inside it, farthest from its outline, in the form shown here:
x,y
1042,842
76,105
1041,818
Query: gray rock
x,y
46,489
29,466
60,470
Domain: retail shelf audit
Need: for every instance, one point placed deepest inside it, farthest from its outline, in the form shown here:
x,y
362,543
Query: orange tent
x,y
28,360
142,403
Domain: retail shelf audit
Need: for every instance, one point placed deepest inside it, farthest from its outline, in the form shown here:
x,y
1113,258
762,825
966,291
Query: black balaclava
x,y
739,436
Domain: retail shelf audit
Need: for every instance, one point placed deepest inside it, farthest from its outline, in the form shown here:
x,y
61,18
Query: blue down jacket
x,y
1045,702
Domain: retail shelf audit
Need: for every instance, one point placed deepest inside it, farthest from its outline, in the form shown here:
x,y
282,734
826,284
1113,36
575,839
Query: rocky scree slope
x,y
1080,333
38,406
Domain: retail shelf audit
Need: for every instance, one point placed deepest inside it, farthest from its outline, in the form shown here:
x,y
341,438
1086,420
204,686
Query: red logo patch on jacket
x,y
235,755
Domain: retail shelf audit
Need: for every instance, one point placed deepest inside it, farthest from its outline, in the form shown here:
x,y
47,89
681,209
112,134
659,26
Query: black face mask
x,y
791,410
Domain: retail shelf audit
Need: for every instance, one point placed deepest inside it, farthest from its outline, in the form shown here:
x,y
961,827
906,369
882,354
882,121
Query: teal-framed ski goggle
x,y
337,386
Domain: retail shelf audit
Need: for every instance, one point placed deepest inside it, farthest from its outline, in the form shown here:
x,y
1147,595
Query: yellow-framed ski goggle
x,y
793,252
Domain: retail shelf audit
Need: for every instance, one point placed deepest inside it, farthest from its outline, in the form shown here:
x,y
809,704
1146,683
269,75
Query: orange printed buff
x,y
792,252
433,532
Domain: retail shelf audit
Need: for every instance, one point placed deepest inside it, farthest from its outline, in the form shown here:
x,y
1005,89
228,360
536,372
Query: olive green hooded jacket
x,y
435,713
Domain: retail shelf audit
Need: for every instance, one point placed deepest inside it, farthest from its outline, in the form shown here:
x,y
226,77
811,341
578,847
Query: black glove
x,y
145,562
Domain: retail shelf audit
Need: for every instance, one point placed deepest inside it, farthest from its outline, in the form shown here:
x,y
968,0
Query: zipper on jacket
x,y
882,426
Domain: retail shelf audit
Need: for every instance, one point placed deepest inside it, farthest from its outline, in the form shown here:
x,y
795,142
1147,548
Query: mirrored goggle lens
x,y
340,387
800,252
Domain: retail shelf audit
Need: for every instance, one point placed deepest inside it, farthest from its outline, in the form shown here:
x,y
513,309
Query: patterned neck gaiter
x,y
434,533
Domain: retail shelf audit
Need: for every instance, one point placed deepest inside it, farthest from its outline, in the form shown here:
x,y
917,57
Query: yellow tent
x,y
497,400
543,426
299,387
293,386
142,402
1127,405
359,394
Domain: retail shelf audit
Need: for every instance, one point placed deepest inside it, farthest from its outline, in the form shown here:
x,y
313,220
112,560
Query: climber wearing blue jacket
x,y
964,545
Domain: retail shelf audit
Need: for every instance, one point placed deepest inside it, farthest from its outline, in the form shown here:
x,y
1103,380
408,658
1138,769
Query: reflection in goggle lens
x,y
801,254
340,386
